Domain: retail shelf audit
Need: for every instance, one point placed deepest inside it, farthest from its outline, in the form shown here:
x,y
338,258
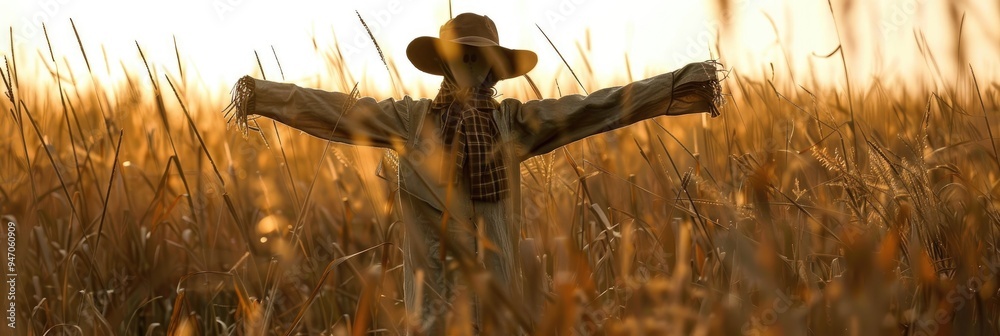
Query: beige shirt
x,y
527,128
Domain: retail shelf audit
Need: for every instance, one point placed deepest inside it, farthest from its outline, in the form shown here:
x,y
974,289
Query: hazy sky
x,y
219,36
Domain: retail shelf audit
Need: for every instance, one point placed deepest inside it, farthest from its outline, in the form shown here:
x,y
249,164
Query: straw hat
x,y
469,30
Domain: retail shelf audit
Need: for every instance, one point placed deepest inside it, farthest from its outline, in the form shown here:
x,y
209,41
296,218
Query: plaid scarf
x,y
467,116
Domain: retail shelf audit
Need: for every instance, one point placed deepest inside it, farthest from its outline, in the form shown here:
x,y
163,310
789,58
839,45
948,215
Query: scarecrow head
x,y
469,54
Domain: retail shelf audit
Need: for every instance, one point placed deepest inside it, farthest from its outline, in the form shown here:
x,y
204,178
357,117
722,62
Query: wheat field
x,y
803,209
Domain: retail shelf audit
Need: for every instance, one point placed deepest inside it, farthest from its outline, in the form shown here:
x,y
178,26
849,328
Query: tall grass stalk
x,y
802,210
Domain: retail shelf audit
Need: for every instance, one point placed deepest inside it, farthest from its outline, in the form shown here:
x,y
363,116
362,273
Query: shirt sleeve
x,y
544,125
333,116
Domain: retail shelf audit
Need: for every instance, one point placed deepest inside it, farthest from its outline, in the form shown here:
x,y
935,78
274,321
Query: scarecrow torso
x,y
422,174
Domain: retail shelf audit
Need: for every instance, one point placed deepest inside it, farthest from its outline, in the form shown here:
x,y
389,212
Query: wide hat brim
x,y
425,53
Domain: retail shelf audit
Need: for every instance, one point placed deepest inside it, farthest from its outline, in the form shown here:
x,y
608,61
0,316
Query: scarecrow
x,y
458,155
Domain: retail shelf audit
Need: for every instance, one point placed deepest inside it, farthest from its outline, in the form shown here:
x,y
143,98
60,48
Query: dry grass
x,y
801,210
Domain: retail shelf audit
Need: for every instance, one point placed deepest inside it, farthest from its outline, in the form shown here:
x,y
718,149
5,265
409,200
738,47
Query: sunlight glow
x,y
269,224
217,39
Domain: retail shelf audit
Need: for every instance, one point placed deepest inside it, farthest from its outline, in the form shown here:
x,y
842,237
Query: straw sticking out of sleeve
x,y
241,107
707,87
717,98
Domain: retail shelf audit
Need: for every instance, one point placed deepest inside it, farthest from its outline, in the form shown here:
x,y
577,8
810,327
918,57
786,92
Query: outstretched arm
x,y
333,116
544,125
